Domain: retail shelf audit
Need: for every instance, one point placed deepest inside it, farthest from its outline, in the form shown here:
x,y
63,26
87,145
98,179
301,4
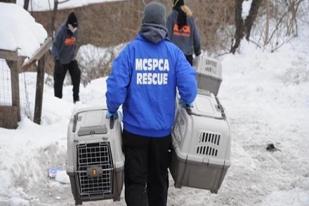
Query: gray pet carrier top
x,y
209,74
95,160
201,144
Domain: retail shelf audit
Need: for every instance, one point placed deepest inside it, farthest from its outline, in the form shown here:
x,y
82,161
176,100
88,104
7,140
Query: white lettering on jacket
x,y
152,65
152,71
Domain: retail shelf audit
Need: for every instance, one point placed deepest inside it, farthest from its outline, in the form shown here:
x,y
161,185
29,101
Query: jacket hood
x,y
187,10
153,32
72,19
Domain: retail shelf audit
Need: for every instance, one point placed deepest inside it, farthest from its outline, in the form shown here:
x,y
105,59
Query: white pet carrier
x,y
209,74
201,144
95,160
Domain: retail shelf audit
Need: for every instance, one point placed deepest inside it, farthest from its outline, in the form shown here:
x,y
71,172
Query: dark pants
x,y
146,175
59,75
190,59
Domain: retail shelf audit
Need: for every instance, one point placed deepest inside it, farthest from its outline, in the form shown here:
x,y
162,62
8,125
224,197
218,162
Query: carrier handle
x,y
75,119
221,108
188,108
189,111
111,123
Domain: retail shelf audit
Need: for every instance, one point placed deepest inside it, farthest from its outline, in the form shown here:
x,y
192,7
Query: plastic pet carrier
x,y
95,161
209,74
201,144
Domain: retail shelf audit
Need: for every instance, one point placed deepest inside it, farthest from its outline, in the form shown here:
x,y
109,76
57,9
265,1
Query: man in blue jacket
x,y
144,80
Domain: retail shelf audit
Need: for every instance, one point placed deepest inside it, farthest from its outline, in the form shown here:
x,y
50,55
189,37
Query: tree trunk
x,y
26,4
251,17
267,22
239,23
244,27
53,19
294,10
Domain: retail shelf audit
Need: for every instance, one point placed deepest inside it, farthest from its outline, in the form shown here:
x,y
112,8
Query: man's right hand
x,y
185,105
110,115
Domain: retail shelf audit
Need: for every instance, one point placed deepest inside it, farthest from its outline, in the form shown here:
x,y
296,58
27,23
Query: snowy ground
x,y
266,98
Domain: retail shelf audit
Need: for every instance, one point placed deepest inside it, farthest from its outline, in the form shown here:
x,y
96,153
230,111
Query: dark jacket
x,y
186,38
64,45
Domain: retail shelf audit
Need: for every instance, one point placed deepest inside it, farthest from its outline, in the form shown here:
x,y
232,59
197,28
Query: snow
x,y
266,100
62,177
292,197
45,5
246,5
19,30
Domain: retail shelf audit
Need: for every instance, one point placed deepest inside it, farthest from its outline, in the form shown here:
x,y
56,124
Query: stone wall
x,y
111,23
103,24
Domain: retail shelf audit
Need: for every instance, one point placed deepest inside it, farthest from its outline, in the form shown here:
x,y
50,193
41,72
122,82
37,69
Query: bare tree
x,y
292,28
251,17
284,15
243,27
239,24
267,22
53,19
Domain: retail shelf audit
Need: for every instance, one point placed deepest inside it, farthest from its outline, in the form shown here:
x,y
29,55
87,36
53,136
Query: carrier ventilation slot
x,y
95,155
207,150
207,137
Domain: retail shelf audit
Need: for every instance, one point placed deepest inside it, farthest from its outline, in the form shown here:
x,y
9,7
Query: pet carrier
x,y
201,144
209,74
95,160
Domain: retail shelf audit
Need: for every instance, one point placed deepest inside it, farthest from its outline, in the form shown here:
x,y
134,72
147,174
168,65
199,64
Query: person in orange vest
x,y
183,31
64,51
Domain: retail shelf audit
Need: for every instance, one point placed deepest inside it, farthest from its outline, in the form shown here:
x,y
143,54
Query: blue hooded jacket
x,y
144,79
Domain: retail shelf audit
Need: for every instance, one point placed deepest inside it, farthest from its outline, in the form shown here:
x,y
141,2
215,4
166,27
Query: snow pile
x,y
18,30
45,5
95,62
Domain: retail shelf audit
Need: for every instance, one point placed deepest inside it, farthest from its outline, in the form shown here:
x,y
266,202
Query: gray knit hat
x,y
154,13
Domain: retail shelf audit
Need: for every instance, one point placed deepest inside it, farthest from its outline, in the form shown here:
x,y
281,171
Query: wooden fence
x,y
10,115
39,56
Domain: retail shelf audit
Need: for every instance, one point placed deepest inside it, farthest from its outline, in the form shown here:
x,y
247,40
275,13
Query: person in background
x,y
143,80
183,31
64,52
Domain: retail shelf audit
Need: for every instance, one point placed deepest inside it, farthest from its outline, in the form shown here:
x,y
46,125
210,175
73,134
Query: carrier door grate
x,y
207,144
95,169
